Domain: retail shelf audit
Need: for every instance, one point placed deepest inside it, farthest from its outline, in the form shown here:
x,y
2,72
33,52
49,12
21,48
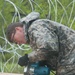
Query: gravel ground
x,y
9,74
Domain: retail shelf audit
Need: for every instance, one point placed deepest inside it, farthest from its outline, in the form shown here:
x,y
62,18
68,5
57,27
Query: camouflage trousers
x,y
66,70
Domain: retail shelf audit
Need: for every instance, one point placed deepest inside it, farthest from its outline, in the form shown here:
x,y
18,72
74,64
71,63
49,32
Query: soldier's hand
x,y
23,61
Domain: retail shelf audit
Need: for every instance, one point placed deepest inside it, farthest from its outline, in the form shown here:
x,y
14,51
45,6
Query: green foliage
x,y
12,67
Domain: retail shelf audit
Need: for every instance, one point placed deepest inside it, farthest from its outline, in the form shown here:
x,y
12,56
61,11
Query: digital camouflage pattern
x,y
52,42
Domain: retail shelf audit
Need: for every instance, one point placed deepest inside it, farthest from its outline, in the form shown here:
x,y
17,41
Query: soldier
x,y
50,41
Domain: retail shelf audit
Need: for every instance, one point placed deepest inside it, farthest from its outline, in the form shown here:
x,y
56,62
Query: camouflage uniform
x,y
51,41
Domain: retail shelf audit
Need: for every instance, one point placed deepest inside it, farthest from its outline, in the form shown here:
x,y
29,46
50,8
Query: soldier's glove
x,y
23,61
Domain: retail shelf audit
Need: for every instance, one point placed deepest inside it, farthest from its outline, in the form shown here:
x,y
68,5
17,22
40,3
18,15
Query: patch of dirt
x,y
10,74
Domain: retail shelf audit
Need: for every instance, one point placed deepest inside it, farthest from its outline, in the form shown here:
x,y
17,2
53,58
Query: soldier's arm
x,y
43,42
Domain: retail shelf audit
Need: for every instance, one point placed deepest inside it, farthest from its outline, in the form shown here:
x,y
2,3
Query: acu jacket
x,y
52,42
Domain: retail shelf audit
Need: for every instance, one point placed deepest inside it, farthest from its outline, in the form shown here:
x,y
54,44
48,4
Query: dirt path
x,y
9,74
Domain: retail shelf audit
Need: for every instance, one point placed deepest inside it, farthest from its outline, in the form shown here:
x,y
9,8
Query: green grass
x,y
11,68
14,68
52,73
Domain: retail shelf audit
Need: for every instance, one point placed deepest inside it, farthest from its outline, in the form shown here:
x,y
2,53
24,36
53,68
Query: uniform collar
x,y
26,34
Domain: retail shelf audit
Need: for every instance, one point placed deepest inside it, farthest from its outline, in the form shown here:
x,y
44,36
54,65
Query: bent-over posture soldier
x,y
50,41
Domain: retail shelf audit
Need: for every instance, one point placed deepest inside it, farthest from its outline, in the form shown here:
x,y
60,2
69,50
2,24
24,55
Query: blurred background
x,y
62,11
